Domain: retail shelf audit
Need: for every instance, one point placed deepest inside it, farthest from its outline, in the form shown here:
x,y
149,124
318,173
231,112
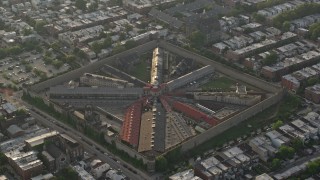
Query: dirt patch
x,y
6,91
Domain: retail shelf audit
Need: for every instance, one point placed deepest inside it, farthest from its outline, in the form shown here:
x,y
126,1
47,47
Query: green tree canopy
x,y
26,31
312,81
259,18
277,124
107,42
286,152
3,53
297,143
70,58
286,26
269,3
275,164
301,11
67,174
115,2
93,6
130,44
314,31
55,45
197,39
3,159
270,59
14,50
161,164
39,26
57,63
313,167
81,4
118,49
96,47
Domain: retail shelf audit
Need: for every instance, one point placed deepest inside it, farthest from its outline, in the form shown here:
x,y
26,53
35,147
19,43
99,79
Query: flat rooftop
x,y
146,132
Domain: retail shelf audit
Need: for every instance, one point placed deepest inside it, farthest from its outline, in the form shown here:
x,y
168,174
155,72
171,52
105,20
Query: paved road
x,y
88,144
295,163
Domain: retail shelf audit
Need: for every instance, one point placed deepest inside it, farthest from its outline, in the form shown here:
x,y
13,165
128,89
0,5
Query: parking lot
x,y
22,69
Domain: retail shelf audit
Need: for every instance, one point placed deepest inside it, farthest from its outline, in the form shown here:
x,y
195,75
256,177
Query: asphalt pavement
x,y
88,144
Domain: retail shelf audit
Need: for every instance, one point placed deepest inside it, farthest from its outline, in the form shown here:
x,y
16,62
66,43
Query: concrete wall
x,y
91,67
133,153
221,67
233,121
150,46
182,52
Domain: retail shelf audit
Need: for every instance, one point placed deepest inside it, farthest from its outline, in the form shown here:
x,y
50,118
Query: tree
x,y
118,49
28,68
48,53
3,169
277,124
286,152
47,60
297,144
2,25
208,7
3,53
76,50
275,164
70,58
115,2
312,167
270,59
55,45
312,81
38,48
57,64
67,173
301,11
56,3
14,50
286,26
128,27
314,31
122,36
143,25
21,112
93,7
39,26
81,4
26,31
269,3
178,15
259,18
161,164
103,34
30,45
130,44
96,47
197,39
82,55
3,159
107,42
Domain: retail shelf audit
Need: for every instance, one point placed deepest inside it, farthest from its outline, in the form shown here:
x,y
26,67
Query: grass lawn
x,y
268,116
258,121
222,82
141,72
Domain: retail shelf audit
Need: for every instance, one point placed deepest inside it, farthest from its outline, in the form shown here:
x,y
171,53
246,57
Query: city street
x,y
296,163
88,144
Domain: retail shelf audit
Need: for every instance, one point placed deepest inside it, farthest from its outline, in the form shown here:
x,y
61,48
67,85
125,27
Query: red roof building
x,y
194,113
130,129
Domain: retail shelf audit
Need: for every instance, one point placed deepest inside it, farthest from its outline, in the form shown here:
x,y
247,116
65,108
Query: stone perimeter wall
x,y
201,138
